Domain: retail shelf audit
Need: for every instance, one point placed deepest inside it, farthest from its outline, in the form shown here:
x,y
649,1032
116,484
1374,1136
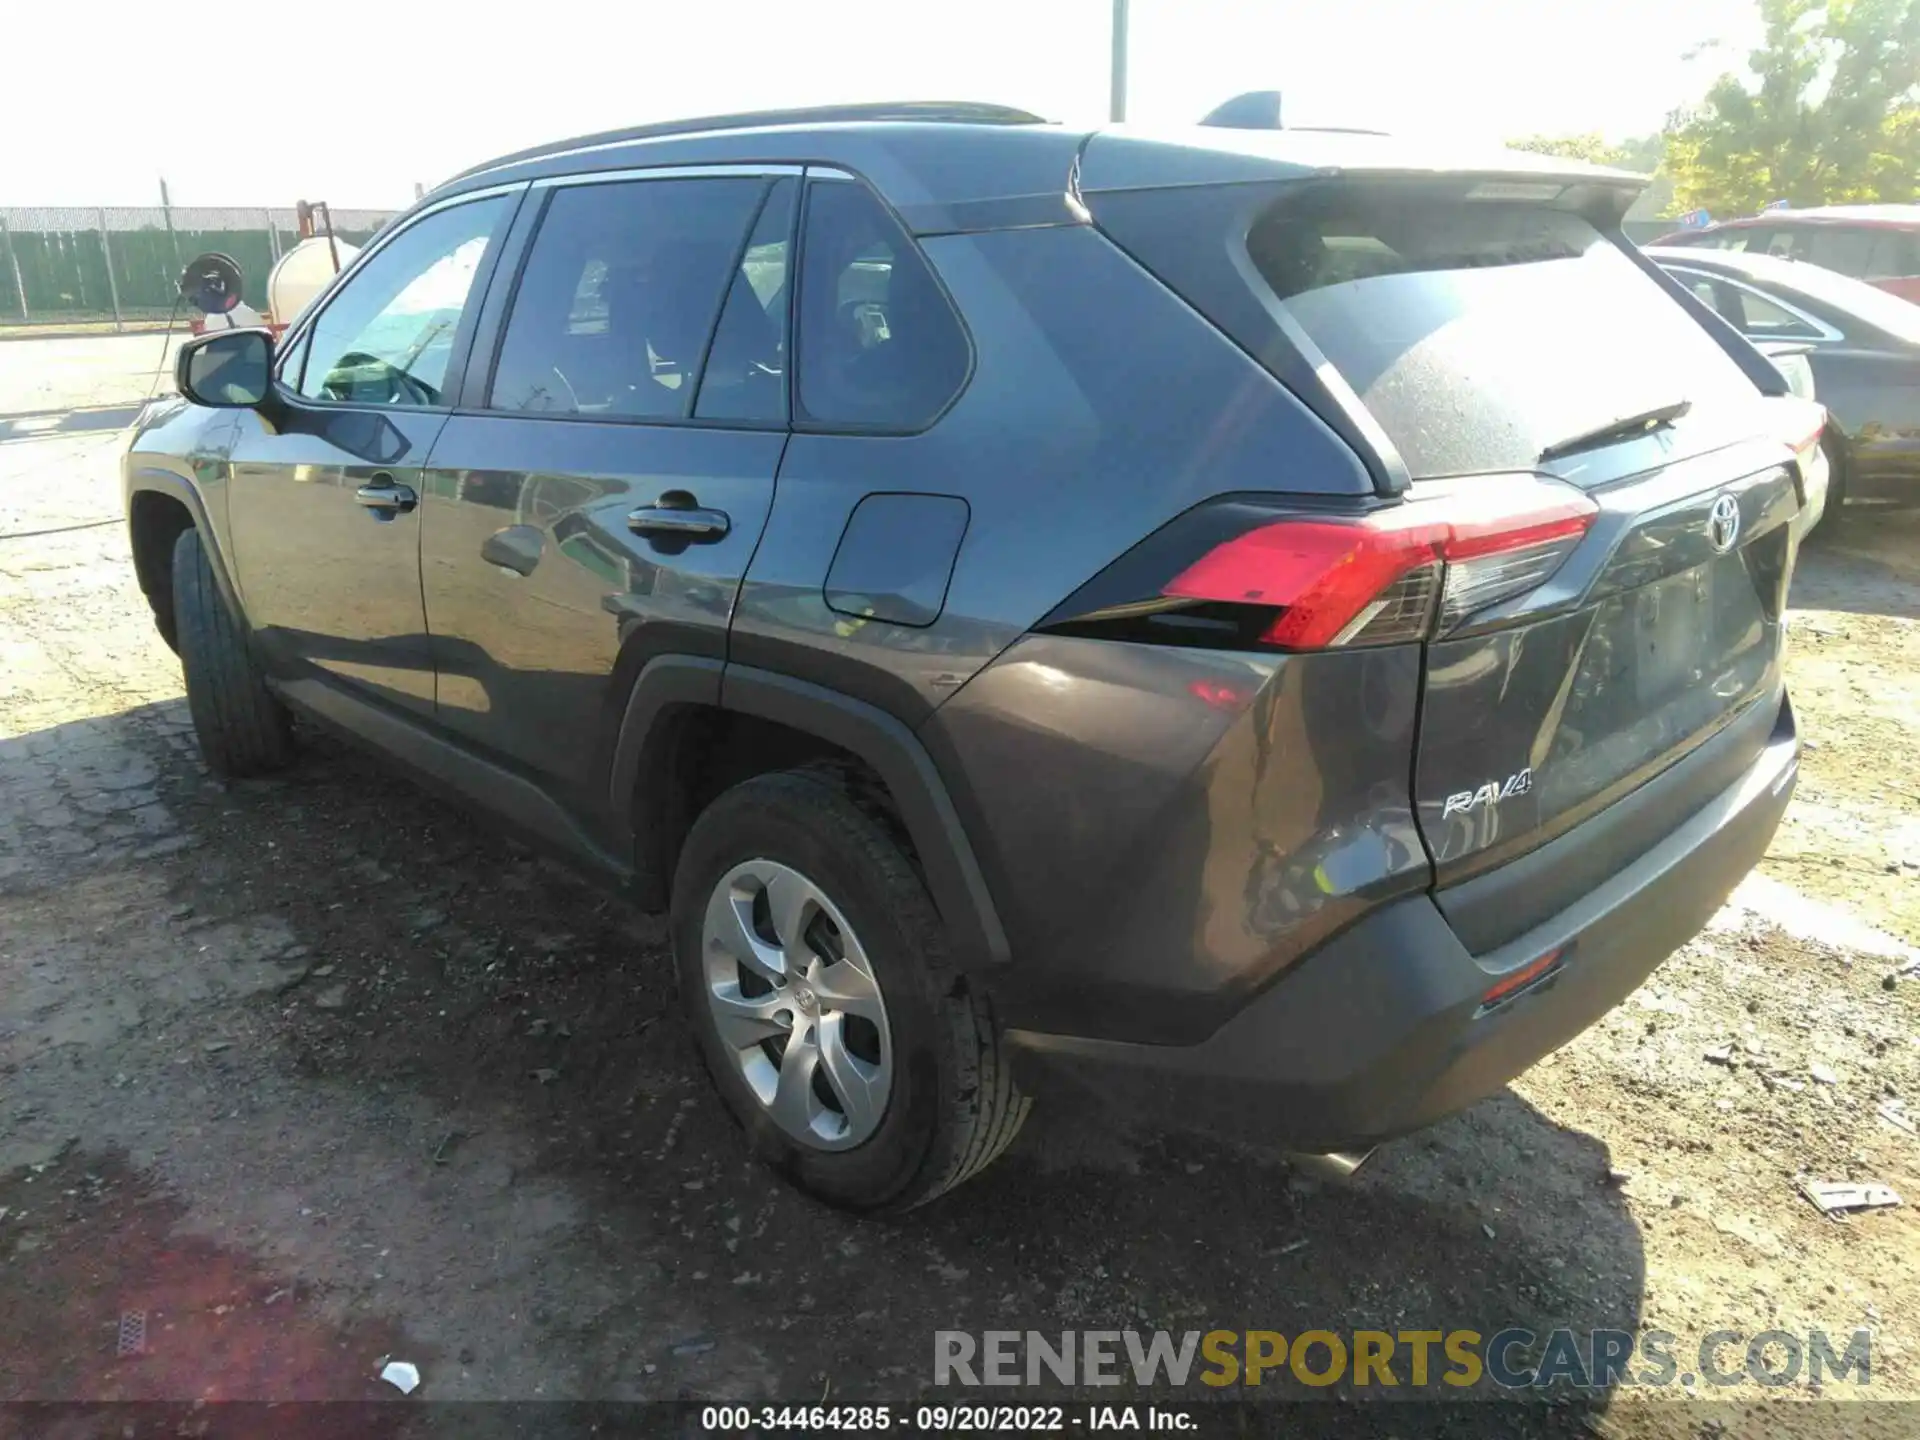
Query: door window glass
x,y
879,345
1895,253
387,337
1840,247
1788,243
746,373
619,297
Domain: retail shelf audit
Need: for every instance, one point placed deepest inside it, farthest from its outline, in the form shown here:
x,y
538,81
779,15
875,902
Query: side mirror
x,y
229,369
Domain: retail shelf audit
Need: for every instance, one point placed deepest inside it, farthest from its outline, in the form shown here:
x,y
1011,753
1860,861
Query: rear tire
x,y
242,729
950,1105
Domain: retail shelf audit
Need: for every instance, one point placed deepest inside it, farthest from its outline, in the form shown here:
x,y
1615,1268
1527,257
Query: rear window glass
x,y
1479,333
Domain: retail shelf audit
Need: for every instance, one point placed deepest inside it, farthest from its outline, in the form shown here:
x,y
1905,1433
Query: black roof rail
x,y
953,112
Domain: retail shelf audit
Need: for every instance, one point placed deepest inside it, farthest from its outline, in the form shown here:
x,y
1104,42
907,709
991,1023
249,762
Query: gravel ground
x,y
316,1071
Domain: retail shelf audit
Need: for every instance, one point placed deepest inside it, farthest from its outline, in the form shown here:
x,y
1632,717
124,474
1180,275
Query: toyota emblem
x,y
1723,523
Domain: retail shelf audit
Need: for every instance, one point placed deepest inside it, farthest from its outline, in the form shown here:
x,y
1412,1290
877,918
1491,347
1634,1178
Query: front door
x,y
602,490
324,503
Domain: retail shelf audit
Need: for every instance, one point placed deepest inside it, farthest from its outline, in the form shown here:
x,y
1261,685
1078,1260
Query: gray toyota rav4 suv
x,y
1281,629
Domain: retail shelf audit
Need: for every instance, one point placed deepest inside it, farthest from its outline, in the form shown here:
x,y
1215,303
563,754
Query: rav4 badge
x,y
1463,802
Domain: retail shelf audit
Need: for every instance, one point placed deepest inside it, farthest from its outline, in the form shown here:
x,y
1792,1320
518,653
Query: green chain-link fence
x,y
69,264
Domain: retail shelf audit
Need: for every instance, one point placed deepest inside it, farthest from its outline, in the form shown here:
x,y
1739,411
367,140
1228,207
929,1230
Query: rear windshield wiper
x,y
1622,429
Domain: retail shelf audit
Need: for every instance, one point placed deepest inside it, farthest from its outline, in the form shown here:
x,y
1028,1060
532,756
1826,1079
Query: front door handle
x,y
672,522
385,496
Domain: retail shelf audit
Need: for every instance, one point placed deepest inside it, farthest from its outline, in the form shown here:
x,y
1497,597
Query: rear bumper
x,y
1383,1029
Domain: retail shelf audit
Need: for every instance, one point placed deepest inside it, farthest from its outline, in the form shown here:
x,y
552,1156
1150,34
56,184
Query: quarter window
x,y
619,297
387,337
1762,319
879,344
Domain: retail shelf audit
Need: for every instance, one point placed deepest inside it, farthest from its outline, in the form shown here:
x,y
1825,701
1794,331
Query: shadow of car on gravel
x,y
450,963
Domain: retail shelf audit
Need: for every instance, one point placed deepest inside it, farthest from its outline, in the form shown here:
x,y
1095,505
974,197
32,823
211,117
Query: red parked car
x,y
1876,243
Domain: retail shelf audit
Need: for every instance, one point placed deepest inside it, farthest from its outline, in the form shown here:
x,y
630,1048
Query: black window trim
x,y
292,338
799,424
726,295
479,388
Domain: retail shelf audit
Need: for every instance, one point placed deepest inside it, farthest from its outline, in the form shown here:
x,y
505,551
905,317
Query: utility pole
x,y
113,285
1117,92
13,258
166,213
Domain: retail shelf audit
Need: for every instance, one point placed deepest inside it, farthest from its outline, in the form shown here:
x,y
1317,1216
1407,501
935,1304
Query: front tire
x,y
814,972
242,729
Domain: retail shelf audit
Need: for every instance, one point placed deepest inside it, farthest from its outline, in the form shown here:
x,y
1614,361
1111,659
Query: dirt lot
x,y
280,1071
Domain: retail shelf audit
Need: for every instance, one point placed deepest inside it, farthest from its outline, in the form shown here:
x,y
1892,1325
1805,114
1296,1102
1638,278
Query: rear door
x,y
598,497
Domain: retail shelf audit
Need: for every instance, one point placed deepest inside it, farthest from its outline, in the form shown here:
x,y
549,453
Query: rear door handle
x,y
672,522
385,496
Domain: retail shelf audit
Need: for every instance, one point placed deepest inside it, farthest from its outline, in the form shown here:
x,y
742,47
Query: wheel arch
x,y
159,507
679,702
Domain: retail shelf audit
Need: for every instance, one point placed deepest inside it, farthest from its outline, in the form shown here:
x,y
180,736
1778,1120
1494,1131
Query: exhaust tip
x,y
1334,1165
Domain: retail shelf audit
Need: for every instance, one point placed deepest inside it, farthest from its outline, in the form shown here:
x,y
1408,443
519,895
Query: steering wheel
x,y
357,368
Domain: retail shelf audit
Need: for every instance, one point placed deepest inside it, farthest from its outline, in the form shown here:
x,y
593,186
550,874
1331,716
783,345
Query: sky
x,y
355,104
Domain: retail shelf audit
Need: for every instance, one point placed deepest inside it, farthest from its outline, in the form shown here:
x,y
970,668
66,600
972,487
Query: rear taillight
x,y
1313,582
1805,423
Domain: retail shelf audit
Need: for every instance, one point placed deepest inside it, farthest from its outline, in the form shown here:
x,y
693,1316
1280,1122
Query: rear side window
x,y
879,346
1480,332
619,297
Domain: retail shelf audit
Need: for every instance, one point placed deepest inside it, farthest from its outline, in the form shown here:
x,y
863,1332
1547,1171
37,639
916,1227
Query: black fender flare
x,y
947,859
154,481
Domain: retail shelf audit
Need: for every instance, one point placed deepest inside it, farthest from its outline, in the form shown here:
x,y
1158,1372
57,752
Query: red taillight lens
x,y
1803,425
1382,578
1325,575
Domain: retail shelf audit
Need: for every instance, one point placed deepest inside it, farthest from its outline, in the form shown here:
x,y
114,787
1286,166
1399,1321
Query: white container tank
x,y
302,273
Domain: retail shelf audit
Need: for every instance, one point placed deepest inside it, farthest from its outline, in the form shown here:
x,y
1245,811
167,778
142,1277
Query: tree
x,y
1828,110
1594,148
1643,154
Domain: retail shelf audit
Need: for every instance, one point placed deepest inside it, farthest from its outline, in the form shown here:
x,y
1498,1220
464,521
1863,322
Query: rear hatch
x,y
1591,533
